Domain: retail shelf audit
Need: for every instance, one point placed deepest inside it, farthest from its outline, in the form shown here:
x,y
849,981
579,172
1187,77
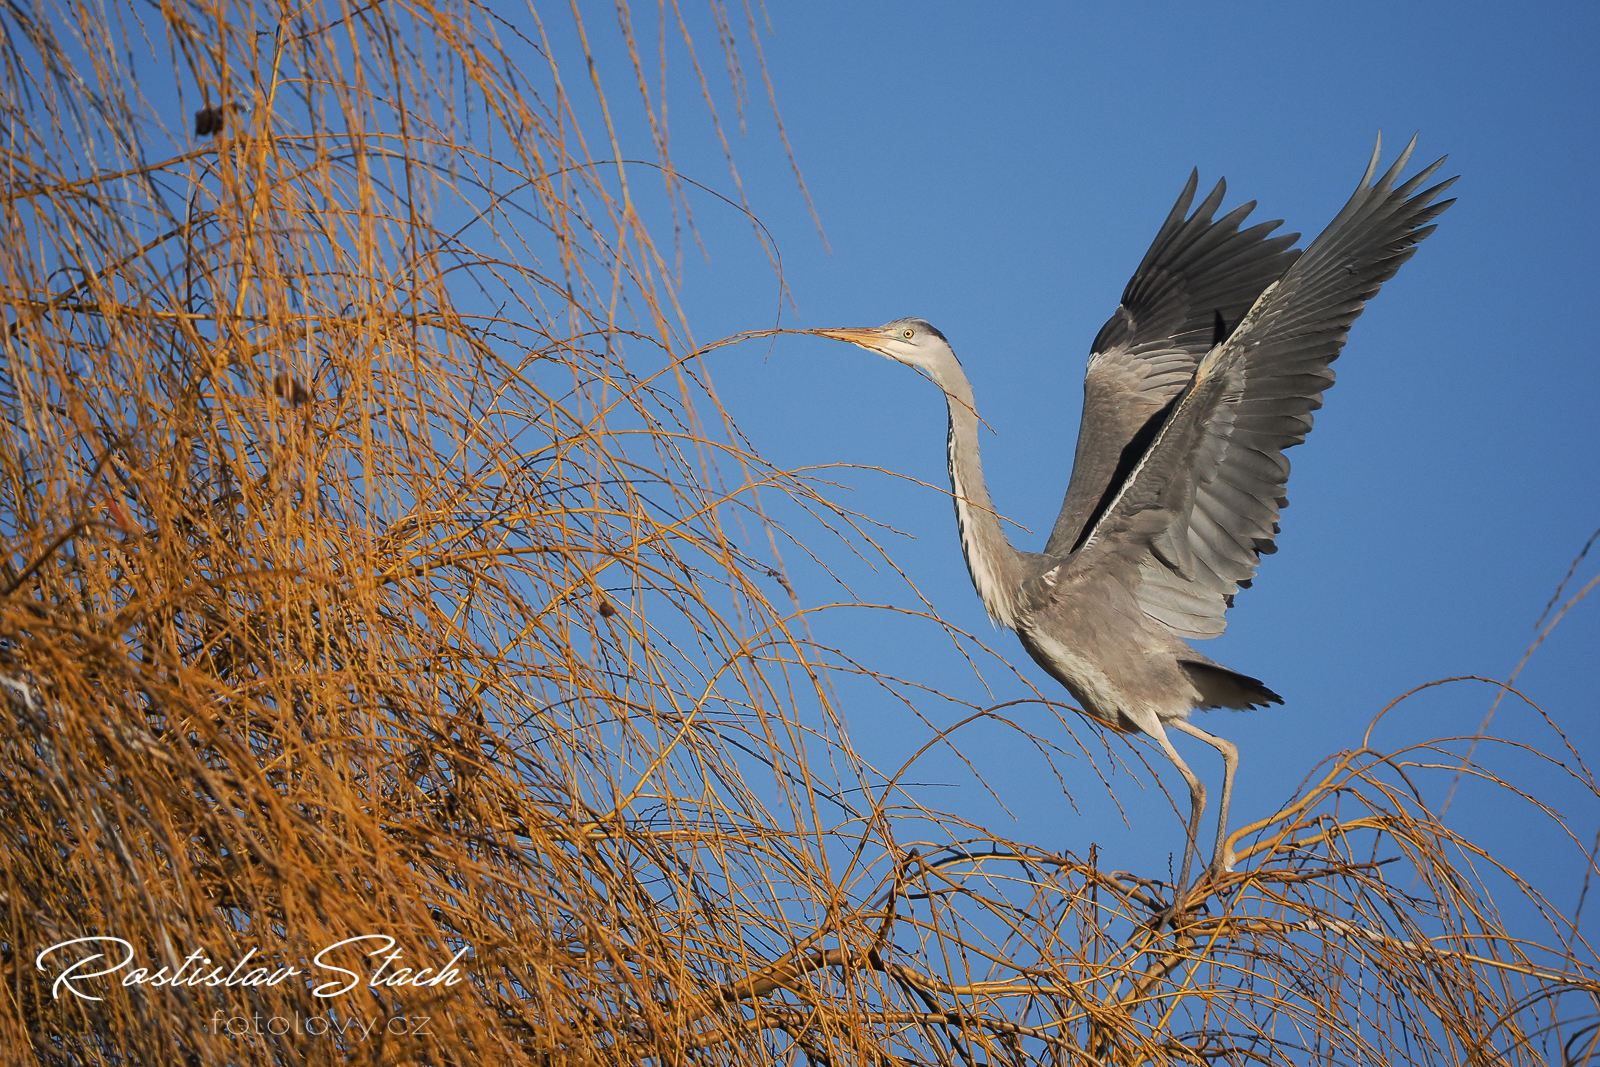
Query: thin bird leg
x,y
1221,856
1197,799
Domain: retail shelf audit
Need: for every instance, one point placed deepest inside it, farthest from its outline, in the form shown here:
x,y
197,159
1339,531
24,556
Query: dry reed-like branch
x,y
368,574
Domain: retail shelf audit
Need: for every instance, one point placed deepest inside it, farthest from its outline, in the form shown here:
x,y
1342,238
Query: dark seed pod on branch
x,y
208,120
288,386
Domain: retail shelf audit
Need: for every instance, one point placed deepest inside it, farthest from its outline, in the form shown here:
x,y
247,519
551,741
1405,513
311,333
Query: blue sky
x,y
999,170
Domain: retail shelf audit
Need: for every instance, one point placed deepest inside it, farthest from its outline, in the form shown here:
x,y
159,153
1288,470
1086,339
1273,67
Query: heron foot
x,y
1180,906
1170,915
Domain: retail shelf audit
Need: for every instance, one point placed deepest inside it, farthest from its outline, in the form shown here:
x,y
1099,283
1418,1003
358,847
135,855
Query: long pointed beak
x,y
869,337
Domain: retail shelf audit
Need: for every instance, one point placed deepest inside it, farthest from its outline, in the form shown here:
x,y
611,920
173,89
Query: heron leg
x,y
1197,800
1221,856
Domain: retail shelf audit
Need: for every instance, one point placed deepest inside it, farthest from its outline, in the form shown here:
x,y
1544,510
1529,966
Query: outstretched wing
x,y
1197,275
1202,503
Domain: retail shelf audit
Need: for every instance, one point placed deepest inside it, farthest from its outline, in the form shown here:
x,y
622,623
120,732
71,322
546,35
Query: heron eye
x,y
908,334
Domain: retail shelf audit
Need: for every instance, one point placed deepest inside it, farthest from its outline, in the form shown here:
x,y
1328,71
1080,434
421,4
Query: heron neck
x,y
995,566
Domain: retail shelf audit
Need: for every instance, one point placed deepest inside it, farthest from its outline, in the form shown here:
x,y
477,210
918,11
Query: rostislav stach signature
x,y
95,961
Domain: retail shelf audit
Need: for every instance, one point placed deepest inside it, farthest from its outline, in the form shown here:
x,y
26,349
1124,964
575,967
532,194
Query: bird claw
x,y
1170,915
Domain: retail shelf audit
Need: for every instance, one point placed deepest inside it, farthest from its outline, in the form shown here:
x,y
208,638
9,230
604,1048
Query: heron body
x,y
1211,366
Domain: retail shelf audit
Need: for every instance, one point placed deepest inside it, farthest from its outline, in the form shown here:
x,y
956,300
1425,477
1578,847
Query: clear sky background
x,y
999,170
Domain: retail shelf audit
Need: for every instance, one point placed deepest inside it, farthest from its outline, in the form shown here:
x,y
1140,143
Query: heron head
x,y
910,341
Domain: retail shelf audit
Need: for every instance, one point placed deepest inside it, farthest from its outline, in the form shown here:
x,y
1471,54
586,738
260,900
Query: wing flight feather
x,y
1196,272
1199,505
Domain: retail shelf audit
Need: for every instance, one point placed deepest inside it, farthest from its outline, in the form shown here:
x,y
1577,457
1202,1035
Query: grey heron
x,y
1209,369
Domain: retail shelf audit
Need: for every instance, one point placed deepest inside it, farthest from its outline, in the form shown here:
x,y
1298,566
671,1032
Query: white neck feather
x,y
995,566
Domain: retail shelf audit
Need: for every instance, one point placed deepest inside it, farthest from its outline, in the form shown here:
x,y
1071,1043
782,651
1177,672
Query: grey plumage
x,y
1207,372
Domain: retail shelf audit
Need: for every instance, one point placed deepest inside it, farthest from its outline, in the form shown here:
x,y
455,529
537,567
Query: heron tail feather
x,y
1220,687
